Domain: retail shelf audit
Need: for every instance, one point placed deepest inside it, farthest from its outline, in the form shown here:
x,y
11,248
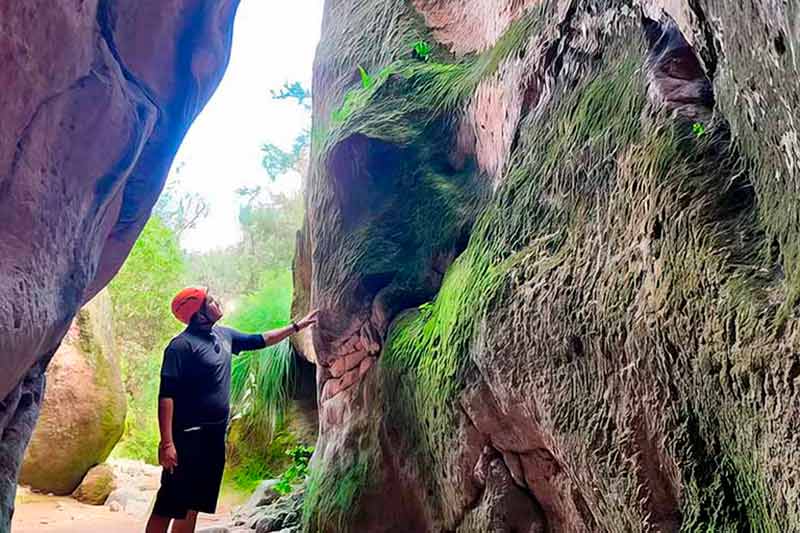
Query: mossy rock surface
x,y
83,412
613,327
97,484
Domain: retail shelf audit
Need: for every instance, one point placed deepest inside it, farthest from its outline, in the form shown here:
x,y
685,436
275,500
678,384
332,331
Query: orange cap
x,y
187,302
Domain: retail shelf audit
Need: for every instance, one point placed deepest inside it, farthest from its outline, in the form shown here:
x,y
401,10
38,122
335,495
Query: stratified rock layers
x,y
557,267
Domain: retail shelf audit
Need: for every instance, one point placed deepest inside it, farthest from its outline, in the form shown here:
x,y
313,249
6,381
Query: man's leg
x,y
157,524
186,525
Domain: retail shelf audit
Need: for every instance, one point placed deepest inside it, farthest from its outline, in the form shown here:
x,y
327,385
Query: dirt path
x,y
137,484
51,514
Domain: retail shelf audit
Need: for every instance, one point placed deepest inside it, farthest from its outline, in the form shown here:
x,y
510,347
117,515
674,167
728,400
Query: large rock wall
x,y
556,266
96,97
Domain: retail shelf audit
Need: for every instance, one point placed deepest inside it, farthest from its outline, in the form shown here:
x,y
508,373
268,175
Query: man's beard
x,y
202,320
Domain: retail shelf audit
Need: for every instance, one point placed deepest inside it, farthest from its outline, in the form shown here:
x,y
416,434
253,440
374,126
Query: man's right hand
x,y
168,456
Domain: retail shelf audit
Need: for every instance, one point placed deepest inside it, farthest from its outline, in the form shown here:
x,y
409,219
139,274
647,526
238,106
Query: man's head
x,y
211,311
195,304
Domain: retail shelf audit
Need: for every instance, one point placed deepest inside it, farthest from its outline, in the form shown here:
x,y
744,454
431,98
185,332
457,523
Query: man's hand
x,y
309,320
275,336
168,456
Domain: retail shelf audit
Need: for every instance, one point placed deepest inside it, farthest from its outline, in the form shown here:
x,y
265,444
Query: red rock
x,y
365,365
347,362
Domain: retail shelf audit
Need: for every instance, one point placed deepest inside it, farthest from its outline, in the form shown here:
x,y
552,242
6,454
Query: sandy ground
x,y
52,514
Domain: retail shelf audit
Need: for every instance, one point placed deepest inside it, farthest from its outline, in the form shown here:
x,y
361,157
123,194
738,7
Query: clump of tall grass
x,y
261,380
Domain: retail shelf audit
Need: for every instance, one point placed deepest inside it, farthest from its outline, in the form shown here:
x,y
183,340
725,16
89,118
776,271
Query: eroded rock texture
x,y
96,96
557,265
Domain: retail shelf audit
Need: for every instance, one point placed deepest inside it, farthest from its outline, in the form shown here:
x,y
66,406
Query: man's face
x,y
213,309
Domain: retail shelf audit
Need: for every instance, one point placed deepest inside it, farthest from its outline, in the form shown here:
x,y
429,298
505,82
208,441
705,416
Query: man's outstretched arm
x,y
277,335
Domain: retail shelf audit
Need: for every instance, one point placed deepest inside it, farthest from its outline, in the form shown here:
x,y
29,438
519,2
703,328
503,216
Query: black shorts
x,y
194,484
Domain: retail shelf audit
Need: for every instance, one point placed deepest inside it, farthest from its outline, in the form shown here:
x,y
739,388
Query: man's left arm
x,y
277,335
244,343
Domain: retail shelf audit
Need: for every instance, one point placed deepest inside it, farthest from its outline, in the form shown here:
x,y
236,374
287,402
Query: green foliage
x,y
294,90
141,435
260,380
366,79
269,228
152,274
260,385
143,323
298,469
276,161
422,50
331,495
250,462
698,129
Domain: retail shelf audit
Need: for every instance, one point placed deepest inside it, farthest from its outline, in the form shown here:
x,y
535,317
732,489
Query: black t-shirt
x,y
196,373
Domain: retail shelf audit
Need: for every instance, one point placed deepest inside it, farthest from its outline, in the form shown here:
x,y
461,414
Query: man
x,y
193,407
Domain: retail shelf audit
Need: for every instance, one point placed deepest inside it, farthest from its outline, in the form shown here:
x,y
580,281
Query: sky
x,y
273,42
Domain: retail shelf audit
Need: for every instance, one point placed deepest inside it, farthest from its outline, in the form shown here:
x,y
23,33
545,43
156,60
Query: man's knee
x,y
157,524
186,525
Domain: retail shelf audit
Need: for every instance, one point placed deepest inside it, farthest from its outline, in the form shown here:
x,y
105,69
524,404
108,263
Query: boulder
x,y
283,513
84,405
261,497
132,500
96,486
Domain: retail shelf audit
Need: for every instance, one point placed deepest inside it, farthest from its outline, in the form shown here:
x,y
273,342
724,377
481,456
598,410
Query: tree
x,y
180,211
293,90
143,289
269,224
277,161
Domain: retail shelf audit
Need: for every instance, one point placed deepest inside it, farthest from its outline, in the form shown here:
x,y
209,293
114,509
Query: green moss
x,y
331,496
599,182
428,348
594,153
106,379
406,95
249,463
729,493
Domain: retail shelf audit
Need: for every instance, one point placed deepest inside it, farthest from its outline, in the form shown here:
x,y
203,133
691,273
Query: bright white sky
x,y
273,42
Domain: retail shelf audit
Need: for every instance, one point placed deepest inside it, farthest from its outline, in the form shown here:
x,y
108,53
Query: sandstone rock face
x,y
96,485
84,405
96,97
557,267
